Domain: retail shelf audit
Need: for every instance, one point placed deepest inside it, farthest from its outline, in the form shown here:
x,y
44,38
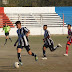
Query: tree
x,y
37,3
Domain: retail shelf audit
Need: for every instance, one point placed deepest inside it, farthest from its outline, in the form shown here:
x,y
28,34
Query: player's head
x,y
18,24
45,27
69,26
5,24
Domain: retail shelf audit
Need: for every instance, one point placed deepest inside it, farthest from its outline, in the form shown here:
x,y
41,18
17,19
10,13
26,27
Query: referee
x,y
7,29
22,40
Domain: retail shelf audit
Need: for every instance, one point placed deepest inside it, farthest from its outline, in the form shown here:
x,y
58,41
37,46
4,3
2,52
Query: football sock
x,y
44,52
10,39
5,41
19,57
66,49
33,54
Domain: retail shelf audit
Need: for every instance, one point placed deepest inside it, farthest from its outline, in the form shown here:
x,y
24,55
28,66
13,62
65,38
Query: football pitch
x,y
56,62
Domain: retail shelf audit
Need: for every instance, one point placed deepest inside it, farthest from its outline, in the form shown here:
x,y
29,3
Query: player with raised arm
x,y
69,39
48,42
7,29
22,40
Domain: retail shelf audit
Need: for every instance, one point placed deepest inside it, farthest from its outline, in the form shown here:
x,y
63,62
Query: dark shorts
x,y
45,45
69,42
51,47
26,47
6,34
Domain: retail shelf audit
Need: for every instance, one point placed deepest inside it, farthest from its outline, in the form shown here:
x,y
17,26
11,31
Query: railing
x,y
37,19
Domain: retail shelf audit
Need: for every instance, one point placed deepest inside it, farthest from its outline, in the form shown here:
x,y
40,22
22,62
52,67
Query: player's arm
x,y
46,37
68,36
16,42
9,28
3,29
27,31
27,34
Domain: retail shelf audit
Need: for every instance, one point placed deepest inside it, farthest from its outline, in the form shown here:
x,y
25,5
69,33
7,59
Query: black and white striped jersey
x,y
48,41
46,33
22,38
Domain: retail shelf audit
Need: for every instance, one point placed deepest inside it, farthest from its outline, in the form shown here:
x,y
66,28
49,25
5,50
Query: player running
x,y
22,40
7,29
48,42
69,39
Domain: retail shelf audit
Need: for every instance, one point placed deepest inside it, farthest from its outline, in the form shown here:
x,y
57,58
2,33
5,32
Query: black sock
x,y
10,39
19,57
5,41
33,54
44,53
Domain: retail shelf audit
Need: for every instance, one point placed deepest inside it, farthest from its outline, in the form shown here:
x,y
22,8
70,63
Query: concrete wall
x,y
39,30
29,9
34,30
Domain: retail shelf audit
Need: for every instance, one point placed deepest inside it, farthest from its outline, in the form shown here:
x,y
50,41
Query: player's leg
x,y
31,53
6,39
19,55
67,47
44,51
52,48
9,38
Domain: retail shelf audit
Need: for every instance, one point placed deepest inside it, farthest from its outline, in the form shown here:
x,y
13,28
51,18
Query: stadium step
x,y
35,19
4,19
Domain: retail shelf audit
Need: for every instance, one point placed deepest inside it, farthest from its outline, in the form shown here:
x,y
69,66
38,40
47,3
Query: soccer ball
x,y
16,65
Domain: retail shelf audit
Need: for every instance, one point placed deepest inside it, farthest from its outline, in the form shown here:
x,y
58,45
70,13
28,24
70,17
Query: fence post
x,y
18,16
63,23
63,20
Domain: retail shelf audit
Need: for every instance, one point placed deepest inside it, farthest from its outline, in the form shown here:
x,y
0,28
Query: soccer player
x,y
7,29
69,39
22,40
48,42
